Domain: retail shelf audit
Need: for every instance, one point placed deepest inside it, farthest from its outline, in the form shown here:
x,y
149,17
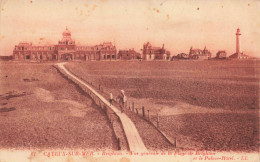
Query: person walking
x,y
122,100
111,98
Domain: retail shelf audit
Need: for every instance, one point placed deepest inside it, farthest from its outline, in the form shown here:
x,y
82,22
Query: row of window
x,y
33,53
35,48
34,57
66,42
55,57
61,48
108,56
77,54
84,48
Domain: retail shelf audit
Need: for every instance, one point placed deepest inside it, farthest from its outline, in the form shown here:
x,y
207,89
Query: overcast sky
x,y
177,24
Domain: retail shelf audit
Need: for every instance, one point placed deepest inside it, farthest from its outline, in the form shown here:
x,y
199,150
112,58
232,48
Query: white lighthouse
x,y
237,41
238,54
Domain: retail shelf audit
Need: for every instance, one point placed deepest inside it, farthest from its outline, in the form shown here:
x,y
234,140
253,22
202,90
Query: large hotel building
x,y
66,49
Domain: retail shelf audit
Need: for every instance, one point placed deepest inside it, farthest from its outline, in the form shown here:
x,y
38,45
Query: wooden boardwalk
x,y
133,138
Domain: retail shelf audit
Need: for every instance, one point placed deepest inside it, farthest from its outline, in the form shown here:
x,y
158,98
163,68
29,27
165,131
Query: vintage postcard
x,y
133,80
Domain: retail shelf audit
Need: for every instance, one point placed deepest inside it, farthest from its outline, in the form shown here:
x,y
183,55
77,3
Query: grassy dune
x,y
41,109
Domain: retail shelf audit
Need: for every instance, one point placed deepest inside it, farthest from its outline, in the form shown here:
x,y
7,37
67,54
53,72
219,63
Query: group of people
x,y
121,97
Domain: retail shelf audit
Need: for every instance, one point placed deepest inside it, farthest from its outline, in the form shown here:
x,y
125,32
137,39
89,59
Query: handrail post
x,y
157,120
143,111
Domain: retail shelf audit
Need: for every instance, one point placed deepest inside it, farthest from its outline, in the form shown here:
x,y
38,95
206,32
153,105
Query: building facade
x,y
199,54
130,54
155,53
66,49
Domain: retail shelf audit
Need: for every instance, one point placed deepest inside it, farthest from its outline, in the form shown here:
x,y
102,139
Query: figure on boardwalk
x,y
122,100
111,98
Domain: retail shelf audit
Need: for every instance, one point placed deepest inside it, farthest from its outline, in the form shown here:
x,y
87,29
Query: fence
x,y
111,116
145,114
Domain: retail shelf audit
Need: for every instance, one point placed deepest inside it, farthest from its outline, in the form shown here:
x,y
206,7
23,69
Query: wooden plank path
x,y
134,140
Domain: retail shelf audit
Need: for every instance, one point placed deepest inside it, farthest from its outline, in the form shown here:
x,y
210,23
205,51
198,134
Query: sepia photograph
x,y
133,80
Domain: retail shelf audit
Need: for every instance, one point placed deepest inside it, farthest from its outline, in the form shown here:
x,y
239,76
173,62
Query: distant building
x,y
238,54
221,55
66,49
199,54
130,54
182,56
155,53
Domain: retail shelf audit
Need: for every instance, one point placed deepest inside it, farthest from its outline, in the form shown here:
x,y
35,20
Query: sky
x,y
179,24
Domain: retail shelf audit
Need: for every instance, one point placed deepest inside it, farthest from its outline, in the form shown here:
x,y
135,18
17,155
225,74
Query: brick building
x,y
66,49
155,53
130,54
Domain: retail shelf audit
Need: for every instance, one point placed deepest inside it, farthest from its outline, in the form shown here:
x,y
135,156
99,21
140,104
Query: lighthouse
x,y
237,41
238,54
